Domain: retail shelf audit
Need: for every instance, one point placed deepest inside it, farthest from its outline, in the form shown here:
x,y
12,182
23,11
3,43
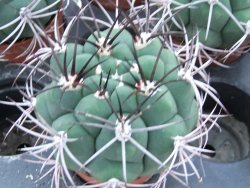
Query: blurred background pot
x,y
12,160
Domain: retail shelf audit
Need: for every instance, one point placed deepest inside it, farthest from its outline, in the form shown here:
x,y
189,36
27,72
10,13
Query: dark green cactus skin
x,y
224,32
173,102
10,10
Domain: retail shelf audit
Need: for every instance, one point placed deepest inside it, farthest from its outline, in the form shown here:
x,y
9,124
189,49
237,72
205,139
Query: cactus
x,y
121,105
27,26
122,100
219,23
16,17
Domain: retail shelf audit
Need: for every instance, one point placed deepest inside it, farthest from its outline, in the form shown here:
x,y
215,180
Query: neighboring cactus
x,y
219,23
20,18
123,100
28,25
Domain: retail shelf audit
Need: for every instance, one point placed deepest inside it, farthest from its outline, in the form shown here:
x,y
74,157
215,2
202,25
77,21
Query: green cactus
x,y
13,11
223,31
106,91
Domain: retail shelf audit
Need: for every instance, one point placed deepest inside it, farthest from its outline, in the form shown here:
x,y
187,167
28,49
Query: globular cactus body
x,y
126,95
223,30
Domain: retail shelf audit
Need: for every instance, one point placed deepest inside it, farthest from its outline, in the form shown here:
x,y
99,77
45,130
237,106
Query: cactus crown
x,y
120,98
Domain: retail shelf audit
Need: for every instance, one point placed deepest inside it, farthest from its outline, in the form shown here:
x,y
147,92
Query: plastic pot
x,y
234,90
12,163
16,139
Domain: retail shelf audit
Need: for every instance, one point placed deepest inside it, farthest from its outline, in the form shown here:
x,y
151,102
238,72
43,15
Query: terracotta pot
x,y
21,45
123,4
219,56
237,54
91,180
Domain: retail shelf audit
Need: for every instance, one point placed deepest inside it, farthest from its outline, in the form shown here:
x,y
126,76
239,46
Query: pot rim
x,y
91,180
